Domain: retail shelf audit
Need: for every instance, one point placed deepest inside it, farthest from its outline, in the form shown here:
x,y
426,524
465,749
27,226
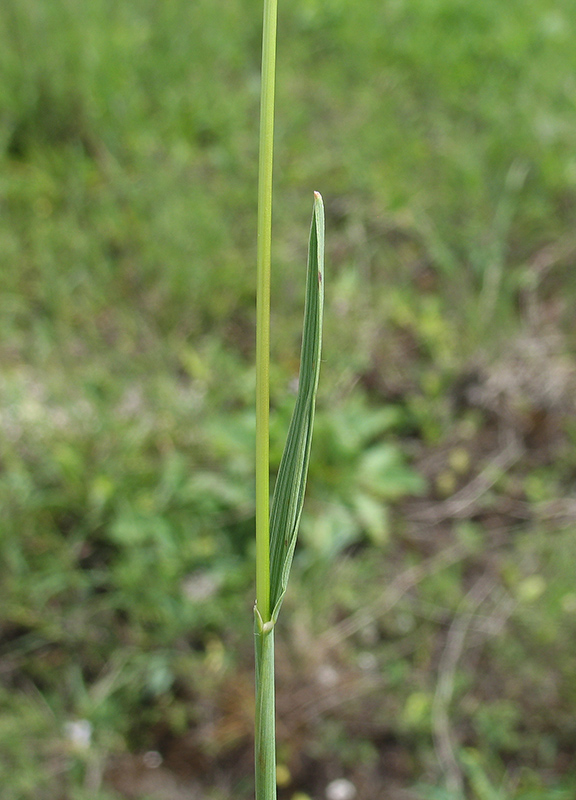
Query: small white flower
x,y
79,733
340,789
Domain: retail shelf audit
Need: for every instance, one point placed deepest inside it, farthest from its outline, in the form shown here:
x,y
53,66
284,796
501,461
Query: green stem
x,y
265,744
263,309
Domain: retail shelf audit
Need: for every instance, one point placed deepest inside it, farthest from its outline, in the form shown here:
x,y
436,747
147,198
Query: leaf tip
x,y
317,197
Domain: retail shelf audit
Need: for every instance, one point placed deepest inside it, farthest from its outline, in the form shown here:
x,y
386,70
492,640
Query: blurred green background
x,y
428,646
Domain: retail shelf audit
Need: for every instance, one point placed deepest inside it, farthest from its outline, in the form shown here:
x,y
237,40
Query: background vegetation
x,y
428,649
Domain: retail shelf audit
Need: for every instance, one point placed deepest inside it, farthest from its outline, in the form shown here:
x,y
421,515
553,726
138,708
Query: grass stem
x,y
263,309
265,739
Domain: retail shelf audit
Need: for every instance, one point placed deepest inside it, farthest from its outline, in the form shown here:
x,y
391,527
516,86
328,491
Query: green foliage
x,y
443,137
358,472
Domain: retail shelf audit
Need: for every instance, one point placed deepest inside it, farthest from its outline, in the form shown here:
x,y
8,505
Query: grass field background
x,y
428,648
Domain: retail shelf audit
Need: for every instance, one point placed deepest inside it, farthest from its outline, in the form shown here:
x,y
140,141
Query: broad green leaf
x,y
383,473
328,533
288,497
373,514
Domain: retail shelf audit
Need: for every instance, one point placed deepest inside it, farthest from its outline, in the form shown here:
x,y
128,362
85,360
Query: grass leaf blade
x,y
288,498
